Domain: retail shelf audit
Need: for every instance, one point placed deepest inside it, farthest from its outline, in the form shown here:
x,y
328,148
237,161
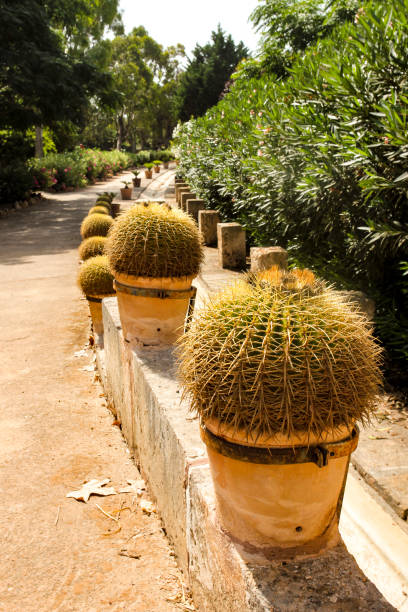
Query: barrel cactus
x,y
95,277
156,241
96,225
102,210
90,247
280,353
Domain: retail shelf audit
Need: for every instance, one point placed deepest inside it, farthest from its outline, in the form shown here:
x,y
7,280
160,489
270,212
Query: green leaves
x,y
307,163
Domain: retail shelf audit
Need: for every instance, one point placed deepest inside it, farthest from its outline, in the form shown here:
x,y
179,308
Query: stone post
x,y
231,245
186,195
360,301
194,207
263,258
178,187
207,224
179,192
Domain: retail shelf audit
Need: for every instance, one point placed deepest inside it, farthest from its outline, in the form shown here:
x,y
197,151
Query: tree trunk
x,y
121,132
39,149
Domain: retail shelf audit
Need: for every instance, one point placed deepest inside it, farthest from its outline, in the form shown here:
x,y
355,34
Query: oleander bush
x,y
317,163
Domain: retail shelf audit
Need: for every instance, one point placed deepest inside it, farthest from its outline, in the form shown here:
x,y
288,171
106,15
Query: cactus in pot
x,y
102,210
91,247
280,369
154,252
96,282
96,225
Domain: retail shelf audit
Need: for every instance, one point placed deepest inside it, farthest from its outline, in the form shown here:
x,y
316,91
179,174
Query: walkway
x,y
56,432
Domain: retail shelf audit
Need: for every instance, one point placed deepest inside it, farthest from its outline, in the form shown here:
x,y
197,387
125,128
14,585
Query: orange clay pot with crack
x,y
280,369
154,252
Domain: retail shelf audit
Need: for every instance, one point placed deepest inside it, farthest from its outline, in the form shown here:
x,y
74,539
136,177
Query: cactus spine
x,y
280,353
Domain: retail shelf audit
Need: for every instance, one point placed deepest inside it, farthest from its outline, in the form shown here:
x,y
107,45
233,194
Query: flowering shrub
x,y
59,171
317,163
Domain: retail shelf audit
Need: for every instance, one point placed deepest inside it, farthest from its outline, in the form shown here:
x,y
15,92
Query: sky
x,y
191,21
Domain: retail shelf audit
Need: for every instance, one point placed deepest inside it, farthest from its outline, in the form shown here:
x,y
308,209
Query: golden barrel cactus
x,y
280,353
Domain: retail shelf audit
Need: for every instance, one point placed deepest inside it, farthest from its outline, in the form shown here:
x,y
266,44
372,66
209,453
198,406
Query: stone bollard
x,y
180,193
186,195
207,224
263,258
361,301
194,207
178,187
231,245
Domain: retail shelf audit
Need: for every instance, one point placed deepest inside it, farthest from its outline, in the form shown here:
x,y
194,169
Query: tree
x,y
289,27
145,74
40,82
207,73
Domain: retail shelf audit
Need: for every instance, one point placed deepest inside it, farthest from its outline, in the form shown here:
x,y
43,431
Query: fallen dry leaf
x,y
93,487
135,486
89,368
147,506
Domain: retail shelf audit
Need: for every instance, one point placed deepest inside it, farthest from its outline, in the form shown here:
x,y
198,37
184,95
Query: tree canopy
x,y
207,73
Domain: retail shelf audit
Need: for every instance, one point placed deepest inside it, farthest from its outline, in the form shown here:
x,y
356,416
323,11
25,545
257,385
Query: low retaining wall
x,y
164,439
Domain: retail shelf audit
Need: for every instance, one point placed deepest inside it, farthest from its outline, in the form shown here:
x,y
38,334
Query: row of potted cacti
x,y
126,191
278,367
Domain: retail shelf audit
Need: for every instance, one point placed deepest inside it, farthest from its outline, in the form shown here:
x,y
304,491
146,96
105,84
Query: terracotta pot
x,y
115,208
165,165
157,169
136,181
148,174
152,320
95,308
126,193
265,501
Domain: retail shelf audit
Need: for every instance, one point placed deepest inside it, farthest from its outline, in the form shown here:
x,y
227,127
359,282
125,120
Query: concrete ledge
x,y
164,439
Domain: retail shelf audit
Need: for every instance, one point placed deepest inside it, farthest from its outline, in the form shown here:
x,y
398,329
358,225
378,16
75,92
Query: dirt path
x,y
56,433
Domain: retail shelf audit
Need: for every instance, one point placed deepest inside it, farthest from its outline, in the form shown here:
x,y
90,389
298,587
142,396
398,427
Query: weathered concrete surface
x,y
166,442
207,224
231,246
263,258
193,207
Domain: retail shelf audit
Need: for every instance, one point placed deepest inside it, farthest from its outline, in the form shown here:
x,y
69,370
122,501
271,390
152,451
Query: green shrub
x,y
317,163
16,181
156,241
95,277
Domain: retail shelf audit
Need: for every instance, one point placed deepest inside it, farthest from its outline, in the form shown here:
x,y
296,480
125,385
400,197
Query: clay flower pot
x,y
136,181
126,193
153,310
154,252
95,308
165,165
157,169
282,494
148,173
279,425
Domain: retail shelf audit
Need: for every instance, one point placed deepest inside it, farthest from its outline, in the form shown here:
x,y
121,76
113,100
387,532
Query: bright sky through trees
x,y
191,21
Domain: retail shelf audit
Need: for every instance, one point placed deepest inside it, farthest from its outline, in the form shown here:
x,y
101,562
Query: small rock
x,y
17,205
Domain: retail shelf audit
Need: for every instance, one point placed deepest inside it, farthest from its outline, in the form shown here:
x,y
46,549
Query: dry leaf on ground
x,y
135,486
93,487
147,506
